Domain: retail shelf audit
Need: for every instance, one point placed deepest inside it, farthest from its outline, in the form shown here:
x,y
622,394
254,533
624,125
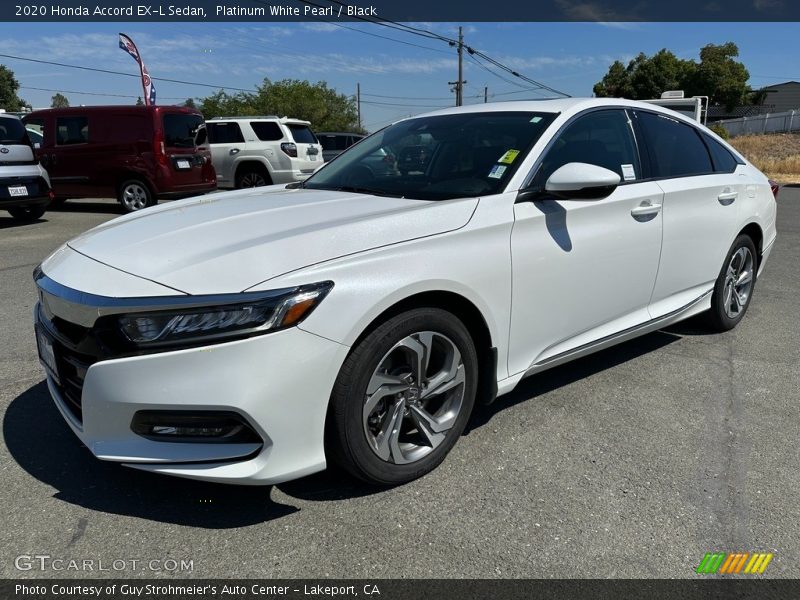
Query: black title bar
x,y
394,10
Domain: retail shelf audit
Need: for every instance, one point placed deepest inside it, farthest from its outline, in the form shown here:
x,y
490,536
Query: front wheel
x,y
734,287
135,195
27,213
403,397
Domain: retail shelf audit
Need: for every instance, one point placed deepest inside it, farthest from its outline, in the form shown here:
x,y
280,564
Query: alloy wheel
x,y
738,282
134,196
414,397
253,179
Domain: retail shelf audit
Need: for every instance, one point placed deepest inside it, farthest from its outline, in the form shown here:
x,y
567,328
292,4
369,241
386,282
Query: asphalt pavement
x,y
633,462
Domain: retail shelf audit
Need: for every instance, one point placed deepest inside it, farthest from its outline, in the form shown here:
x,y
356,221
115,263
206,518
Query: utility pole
x,y
358,103
485,94
459,85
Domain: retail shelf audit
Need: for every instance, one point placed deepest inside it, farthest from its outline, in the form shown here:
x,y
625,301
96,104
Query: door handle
x,y
645,208
726,198
234,151
52,159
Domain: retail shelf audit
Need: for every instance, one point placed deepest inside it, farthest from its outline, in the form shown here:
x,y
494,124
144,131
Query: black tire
x,y
718,318
249,177
134,195
346,438
27,213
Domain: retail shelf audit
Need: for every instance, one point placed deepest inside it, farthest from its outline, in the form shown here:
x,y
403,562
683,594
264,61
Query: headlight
x,y
263,313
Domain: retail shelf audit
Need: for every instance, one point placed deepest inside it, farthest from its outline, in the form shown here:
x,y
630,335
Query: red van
x,y
136,154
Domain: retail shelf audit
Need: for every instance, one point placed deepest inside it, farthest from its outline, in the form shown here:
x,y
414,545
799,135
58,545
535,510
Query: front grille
x,y
76,349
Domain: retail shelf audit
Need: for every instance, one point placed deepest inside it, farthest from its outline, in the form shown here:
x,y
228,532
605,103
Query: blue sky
x,y
396,79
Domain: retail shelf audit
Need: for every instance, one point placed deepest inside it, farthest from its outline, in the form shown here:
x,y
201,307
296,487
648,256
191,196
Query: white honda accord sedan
x,y
252,336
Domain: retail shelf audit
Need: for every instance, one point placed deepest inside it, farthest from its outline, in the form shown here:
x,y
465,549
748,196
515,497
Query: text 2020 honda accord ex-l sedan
x,y
252,336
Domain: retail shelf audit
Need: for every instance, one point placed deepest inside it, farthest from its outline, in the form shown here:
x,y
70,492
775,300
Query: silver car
x,y
24,184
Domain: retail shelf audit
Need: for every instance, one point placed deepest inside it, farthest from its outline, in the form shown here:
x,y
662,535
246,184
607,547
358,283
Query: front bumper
x,y
279,383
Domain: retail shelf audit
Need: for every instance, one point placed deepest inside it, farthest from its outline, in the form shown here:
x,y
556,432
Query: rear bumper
x,y
22,202
38,192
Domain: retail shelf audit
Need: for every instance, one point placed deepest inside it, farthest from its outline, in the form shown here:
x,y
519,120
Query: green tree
x,y
139,101
189,103
8,91
720,76
59,101
324,107
717,75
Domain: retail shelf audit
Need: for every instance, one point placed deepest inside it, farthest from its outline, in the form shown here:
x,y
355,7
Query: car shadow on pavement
x,y
99,207
10,222
571,372
42,444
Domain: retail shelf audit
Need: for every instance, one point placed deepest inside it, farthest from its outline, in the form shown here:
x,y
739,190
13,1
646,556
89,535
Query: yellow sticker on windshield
x,y
509,157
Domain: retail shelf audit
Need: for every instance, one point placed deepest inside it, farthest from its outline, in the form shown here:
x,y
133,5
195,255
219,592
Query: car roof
x,y
116,108
340,133
284,120
558,105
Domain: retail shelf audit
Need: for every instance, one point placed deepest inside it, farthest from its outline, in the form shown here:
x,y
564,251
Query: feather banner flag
x,y
127,44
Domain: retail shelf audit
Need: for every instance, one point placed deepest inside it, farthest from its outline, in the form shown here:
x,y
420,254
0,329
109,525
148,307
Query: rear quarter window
x,y
724,161
302,134
267,131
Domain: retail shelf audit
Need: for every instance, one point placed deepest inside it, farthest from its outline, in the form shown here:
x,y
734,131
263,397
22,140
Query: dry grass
x,y
777,155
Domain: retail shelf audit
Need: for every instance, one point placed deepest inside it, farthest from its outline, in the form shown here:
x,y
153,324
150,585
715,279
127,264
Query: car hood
x,y
228,242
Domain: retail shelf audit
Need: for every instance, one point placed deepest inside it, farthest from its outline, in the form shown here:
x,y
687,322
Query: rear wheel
x,y
27,213
734,287
403,397
135,195
249,177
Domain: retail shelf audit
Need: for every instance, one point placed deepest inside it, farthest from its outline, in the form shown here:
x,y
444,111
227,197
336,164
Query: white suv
x,y
256,151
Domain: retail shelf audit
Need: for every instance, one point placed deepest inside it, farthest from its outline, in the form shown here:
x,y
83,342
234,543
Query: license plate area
x,y
15,191
183,164
47,355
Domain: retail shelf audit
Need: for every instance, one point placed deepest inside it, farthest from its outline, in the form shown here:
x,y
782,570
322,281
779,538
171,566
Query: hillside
x,y
777,155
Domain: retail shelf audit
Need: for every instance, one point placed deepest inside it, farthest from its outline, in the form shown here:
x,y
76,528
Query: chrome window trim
x,y
84,309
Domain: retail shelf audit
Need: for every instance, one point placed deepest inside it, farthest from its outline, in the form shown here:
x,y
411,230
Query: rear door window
x,y
180,129
267,131
224,133
72,130
12,131
676,149
302,134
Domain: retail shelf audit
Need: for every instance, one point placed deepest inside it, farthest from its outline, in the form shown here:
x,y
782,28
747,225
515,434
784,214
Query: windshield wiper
x,y
357,189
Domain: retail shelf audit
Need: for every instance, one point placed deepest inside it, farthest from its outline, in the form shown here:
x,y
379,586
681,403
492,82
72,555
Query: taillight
x,y
289,149
158,148
774,186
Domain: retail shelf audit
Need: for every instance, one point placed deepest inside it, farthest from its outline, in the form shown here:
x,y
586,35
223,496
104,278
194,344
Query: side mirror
x,y
582,181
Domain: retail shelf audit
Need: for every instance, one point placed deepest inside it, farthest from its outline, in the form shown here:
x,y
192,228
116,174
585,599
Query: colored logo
x,y
727,563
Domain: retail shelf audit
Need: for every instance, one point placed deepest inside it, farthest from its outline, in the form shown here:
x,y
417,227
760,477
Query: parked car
x,y
335,142
136,154
24,185
256,151
358,318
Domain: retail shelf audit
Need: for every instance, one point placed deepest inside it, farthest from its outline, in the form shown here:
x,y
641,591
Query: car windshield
x,y
12,131
436,157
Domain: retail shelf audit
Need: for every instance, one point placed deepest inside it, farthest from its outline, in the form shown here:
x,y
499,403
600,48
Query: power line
x,y
403,105
110,72
408,97
41,89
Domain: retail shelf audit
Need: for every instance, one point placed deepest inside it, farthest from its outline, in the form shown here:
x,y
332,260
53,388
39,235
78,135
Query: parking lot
x,y
633,462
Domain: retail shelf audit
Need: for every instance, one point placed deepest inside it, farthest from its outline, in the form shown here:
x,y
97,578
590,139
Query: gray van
x,y
24,184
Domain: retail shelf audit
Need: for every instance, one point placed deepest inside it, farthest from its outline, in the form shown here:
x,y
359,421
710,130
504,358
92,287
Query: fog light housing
x,y
203,427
